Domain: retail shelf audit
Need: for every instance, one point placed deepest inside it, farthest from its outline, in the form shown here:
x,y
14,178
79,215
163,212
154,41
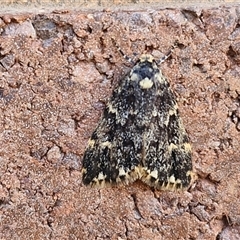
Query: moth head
x,y
146,58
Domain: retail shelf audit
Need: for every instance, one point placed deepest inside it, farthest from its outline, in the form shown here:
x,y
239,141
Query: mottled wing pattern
x,y
140,135
167,162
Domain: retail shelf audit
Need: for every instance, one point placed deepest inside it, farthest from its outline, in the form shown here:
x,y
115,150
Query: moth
x,y
140,134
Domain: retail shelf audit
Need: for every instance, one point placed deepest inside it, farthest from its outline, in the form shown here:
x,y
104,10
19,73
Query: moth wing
x,y
167,161
112,156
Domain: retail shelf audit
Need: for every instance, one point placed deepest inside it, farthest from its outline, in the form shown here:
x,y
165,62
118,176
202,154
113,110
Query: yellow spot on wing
x,y
111,108
187,147
146,83
106,144
91,143
154,174
134,77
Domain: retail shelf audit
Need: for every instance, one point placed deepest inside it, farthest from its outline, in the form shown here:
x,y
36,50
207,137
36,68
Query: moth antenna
x,y
169,53
127,58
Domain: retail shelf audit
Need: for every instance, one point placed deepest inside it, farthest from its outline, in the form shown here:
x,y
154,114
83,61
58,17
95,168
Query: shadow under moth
x,y
140,134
